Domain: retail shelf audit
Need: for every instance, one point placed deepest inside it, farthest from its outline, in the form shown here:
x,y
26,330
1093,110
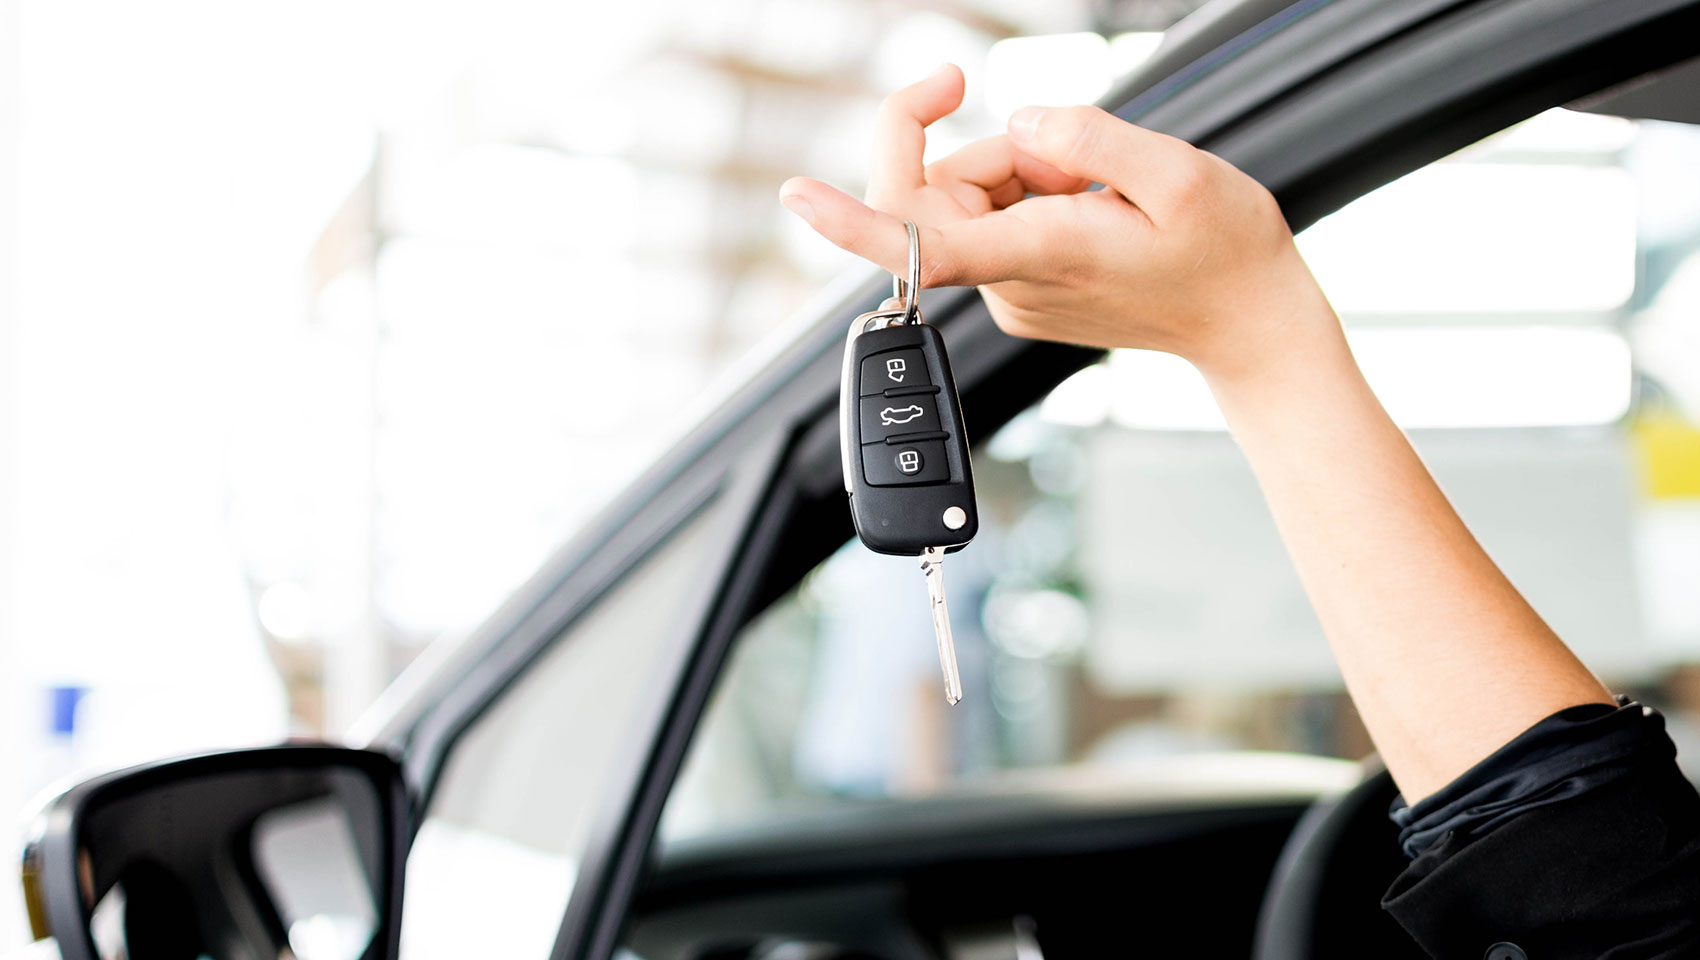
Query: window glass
x,y
517,798
1528,308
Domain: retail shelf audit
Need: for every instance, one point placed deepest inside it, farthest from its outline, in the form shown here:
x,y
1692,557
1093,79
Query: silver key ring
x,y
910,292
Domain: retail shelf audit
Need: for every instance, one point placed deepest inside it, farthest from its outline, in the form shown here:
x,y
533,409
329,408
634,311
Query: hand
x,y
1180,252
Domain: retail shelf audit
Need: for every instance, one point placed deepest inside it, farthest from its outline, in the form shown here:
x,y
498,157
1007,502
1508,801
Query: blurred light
x,y
1057,70
1427,377
330,936
1498,376
814,38
1663,159
1021,437
517,196
917,44
1042,540
1667,336
1016,690
1083,400
1036,624
1482,238
285,611
1559,131
1058,468
702,118
1128,51
1159,391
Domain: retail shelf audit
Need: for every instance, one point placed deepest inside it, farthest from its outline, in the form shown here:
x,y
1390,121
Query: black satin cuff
x,y
1572,752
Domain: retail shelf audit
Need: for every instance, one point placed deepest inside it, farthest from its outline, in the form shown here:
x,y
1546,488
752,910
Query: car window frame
x,y
1370,104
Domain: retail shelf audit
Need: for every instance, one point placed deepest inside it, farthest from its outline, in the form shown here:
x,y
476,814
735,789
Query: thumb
x,y
963,253
1149,168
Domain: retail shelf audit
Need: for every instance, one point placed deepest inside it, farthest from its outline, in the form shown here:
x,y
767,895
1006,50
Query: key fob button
x,y
894,368
891,416
896,464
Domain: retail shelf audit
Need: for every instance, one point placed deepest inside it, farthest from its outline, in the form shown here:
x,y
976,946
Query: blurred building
x,y
582,202
311,317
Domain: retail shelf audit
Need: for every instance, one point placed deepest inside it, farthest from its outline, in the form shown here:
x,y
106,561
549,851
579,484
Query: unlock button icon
x,y
905,464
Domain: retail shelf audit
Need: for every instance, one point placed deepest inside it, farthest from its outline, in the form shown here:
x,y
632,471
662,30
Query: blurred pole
x,y
356,662
14,694
357,656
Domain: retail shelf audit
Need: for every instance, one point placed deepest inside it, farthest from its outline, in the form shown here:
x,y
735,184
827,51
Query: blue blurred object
x,y
65,700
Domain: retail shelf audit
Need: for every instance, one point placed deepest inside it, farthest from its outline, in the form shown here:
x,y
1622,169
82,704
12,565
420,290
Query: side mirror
x,y
294,850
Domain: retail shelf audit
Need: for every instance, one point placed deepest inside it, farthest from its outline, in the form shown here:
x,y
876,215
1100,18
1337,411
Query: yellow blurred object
x,y
1669,449
35,904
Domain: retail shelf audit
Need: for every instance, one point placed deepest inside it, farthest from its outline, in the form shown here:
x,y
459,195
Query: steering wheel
x,y
1324,898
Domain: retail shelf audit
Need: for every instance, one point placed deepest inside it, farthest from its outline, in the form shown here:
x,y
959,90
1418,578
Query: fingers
x,y
1155,171
900,133
994,163
989,249
848,222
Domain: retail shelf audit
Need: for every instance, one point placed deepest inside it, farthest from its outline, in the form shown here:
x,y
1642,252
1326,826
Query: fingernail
x,y
799,206
938,70
1024,123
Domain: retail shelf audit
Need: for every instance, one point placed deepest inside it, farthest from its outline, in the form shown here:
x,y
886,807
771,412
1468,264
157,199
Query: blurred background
x,y
309,315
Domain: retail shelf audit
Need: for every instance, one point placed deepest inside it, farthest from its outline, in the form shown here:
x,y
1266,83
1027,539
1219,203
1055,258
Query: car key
x,y
905,455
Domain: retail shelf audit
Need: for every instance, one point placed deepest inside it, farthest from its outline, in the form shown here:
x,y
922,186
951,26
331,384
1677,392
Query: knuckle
x,y
1265,207
935,272
1192,176
1264,200
894,107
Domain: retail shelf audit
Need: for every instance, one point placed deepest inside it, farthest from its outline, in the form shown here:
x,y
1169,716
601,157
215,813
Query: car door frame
x,y
1321,100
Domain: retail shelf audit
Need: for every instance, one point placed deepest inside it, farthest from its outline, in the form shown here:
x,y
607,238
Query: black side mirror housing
x,y
293,849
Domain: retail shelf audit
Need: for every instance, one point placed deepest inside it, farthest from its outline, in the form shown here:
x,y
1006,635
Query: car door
x,y
1321,101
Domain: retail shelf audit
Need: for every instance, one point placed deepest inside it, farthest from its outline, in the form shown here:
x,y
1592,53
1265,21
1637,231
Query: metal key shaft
x,y
932,566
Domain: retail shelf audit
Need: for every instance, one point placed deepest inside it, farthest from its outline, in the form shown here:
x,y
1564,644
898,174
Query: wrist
x,y
1297,345
1271,312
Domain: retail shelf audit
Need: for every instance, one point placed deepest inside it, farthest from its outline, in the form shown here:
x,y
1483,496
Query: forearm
x,y
1444,659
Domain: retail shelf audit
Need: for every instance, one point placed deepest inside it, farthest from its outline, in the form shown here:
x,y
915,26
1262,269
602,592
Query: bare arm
x,y
1444,659
1183,253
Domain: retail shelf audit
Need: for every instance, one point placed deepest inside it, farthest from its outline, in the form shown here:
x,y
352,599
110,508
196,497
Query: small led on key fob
x,y
905,454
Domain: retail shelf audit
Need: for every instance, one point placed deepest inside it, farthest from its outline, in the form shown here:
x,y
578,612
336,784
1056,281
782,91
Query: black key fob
x,y
906,464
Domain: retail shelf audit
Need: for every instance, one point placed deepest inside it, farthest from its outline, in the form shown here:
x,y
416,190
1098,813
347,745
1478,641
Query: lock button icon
x,y
909,462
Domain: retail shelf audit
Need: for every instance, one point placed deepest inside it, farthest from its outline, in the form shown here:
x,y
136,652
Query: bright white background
x,y
318,320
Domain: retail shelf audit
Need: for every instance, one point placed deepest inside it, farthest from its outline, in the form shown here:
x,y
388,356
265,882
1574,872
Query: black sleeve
x,y
1579,839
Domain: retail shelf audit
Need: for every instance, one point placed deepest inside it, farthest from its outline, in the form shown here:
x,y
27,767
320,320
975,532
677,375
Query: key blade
x,y
932,565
